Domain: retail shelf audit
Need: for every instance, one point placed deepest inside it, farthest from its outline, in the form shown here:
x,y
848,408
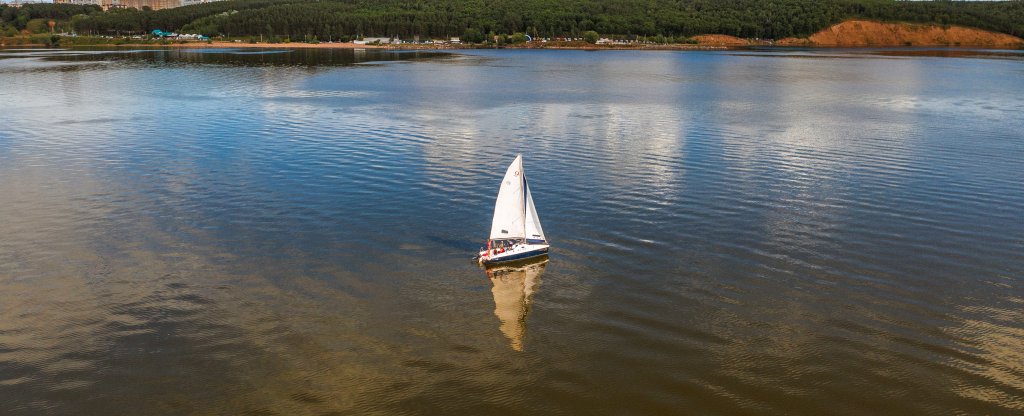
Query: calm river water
x,y
736,232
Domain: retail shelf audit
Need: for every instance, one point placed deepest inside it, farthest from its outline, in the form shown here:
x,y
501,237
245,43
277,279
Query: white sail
x,y
533,229
509,210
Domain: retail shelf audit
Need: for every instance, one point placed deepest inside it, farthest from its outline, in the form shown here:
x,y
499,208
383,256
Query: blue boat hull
x,y
520,256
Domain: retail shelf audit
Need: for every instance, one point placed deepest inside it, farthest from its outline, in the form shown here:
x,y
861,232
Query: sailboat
x,y
516,233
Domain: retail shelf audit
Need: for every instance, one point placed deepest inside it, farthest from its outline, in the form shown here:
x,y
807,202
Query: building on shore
x,y
105,4
136,4
19,3
377,41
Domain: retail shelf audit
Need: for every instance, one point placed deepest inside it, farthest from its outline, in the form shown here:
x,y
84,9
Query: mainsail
x,y
515,216
509,210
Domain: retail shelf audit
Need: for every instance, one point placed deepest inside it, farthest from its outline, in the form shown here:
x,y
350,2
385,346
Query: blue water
x,y
733,232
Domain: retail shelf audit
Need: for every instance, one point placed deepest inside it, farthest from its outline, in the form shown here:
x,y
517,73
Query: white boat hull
x,y
517,252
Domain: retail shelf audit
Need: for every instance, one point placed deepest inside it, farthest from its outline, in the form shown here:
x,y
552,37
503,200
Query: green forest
x,y
344,19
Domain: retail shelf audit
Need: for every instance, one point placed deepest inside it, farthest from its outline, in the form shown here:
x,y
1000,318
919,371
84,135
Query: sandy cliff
x,y
866,33
720,40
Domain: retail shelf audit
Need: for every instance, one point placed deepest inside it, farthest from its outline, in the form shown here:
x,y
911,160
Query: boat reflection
x,y
514,284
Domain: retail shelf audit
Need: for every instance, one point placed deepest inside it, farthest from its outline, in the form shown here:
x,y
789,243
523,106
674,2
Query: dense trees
x,y
326,19
14,19
472,35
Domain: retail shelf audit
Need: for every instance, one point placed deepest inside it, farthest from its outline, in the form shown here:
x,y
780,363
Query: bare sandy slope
x,y
721,40
854,33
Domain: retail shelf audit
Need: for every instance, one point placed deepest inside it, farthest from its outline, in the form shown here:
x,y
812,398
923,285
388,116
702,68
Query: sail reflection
x,y
514,285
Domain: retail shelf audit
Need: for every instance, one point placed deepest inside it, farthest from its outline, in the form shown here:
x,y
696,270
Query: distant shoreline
x,y
445,47
424,47
396,47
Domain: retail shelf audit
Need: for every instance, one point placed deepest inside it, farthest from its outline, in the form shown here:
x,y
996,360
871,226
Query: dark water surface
x,y
228,232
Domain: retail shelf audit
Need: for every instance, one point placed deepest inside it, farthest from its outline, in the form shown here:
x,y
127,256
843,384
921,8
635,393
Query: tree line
x,y
340,19
34,17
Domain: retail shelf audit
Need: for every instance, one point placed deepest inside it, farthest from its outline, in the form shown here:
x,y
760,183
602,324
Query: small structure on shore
x,y
377,41
161,34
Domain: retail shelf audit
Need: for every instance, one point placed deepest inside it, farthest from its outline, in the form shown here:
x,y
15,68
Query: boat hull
x,y
515,265
525,252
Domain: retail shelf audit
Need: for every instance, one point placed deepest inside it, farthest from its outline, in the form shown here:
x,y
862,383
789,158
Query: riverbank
x,y
20,42
445,46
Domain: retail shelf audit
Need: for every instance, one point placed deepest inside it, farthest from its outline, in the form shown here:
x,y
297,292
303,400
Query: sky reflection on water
x,y
290,233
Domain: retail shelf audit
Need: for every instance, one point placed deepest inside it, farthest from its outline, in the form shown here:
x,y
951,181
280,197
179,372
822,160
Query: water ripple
x,y
216,232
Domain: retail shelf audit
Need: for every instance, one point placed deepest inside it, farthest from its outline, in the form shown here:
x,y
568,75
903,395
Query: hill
x,y
668,19
866,33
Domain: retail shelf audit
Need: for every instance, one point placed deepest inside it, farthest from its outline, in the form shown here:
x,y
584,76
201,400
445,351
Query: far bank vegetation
x,y
477,21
